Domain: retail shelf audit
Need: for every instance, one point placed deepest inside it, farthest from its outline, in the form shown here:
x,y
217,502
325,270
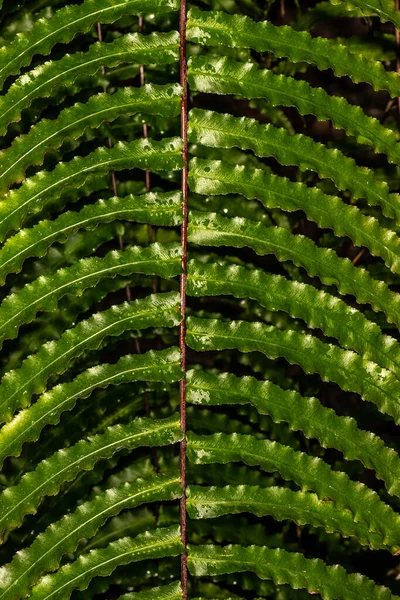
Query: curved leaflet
x,y
40,82
26,426
210,229
173,591
331,582
308,472
63,536
29,149
210,28
36,192
155,208
221,75
349,370
225,131
159,543
66,24
282,504
66,464
317,308
18,386
305,414
44,292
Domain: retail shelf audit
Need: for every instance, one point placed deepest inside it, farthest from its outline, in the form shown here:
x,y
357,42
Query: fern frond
x,y
35,192
163,366
383,9
303,414
160,48
82,468
29,149
173,591
331,582
159,543
218,75
210,229
301,301
45,292
66,464
63,317
62,537
18,386
238,31
349,370
380,47
308,472
210,176
155,208
68,22
304,508
325,10
225,131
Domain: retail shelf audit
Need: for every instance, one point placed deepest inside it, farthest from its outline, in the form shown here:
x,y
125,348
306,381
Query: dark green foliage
x,y
292,376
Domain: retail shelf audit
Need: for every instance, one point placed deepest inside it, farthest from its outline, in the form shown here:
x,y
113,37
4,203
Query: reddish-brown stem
x,y
182,330
282,10
359,255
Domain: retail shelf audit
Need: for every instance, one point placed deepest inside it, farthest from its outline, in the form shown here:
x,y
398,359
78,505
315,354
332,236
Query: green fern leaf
x,y
379,47
304,508
35,192
77,575
159,48
216,177
163,366
45,292
224,131
62,537
218,75
80,468
66,24
301,301
173,591
18,386
307,415
349,370
66,464
155,208
29,149
238,31
331,582
308,472
322,11
210,229
385,10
